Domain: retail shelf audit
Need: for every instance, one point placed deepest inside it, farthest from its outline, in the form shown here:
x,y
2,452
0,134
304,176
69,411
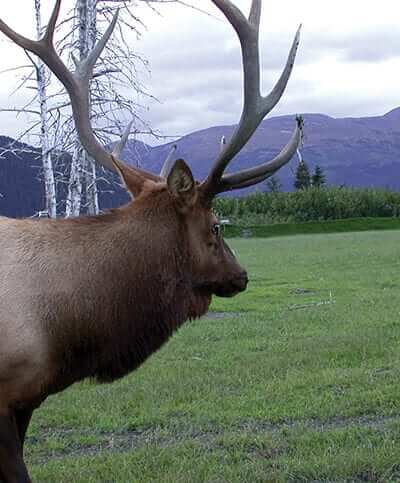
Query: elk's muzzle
x,y
234,286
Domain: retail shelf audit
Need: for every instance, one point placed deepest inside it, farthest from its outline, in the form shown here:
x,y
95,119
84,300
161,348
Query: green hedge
x,y
312,204
312,227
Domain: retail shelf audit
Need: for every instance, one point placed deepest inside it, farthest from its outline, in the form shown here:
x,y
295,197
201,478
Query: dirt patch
x,y
303,291
128,440
372,422
221,315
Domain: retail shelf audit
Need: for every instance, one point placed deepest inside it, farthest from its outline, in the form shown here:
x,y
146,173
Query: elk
x,y
93,297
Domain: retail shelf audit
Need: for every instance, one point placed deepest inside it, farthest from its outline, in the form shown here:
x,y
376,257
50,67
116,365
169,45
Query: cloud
x,y
369,46
347,64
197,72
373,47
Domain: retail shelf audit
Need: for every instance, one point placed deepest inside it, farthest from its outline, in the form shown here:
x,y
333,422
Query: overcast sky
x,y
348,62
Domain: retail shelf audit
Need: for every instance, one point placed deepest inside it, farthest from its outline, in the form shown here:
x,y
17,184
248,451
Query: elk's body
x,y
95,296
100,316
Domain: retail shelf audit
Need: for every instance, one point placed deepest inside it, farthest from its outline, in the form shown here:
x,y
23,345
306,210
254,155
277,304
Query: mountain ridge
x,y
353,151
357,151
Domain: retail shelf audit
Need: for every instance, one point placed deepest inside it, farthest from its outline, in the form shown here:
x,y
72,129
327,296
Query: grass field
x,y
297,379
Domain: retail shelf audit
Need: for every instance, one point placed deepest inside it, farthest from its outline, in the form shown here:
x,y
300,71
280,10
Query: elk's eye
x,y
216,229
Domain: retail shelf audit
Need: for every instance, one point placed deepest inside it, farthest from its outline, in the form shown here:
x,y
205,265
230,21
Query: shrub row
x,y
314,204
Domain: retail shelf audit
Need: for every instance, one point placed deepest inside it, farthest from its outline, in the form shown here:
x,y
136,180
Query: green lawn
x,y
297,381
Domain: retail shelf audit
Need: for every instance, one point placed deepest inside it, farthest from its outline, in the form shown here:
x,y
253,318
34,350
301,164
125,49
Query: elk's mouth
x,y
229,291
229,288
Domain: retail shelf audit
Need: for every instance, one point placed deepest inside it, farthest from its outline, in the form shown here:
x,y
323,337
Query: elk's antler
x,y
255,106
77,85
167,163
120,145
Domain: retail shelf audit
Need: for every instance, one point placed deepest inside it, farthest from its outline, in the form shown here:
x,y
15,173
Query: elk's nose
x,y
241,281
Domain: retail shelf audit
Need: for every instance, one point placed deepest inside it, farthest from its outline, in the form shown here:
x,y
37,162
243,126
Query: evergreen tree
x,y
318,179
303,177
273,184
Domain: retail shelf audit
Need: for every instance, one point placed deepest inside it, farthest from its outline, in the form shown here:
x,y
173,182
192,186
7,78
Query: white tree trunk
x,y
74,196
41,77
83,169
92,198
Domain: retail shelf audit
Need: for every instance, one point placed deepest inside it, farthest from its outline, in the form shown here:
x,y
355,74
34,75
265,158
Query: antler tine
x,y
255,14
20,40
51,26
85,68
167,163
273,97
44,47
76,83
251,176
119,146
255,106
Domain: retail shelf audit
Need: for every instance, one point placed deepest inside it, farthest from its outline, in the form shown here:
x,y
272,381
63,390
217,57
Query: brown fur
x,y
95,296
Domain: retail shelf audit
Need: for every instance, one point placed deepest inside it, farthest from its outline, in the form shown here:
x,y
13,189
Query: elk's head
x,y
186,208
213,266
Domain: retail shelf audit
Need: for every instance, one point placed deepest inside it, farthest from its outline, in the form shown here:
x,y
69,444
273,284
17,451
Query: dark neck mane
x,y
136,300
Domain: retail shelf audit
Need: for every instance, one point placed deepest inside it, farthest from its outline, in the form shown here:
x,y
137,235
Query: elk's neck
x,y
123,302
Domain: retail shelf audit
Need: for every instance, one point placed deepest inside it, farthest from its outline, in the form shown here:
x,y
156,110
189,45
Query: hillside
x,y
21,186
353,151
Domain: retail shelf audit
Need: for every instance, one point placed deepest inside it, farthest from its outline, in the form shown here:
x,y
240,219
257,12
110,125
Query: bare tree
x,y
38,80
110,110
41,77
82,166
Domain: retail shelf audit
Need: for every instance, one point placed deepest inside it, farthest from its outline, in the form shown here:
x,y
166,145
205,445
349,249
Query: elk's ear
x,y
132,181
181,183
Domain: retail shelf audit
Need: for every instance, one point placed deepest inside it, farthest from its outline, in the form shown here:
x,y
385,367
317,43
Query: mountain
x,y
21,185
21,191
352,151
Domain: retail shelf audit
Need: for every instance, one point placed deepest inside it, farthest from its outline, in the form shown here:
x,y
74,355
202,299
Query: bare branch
x,y
76,84
20,110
